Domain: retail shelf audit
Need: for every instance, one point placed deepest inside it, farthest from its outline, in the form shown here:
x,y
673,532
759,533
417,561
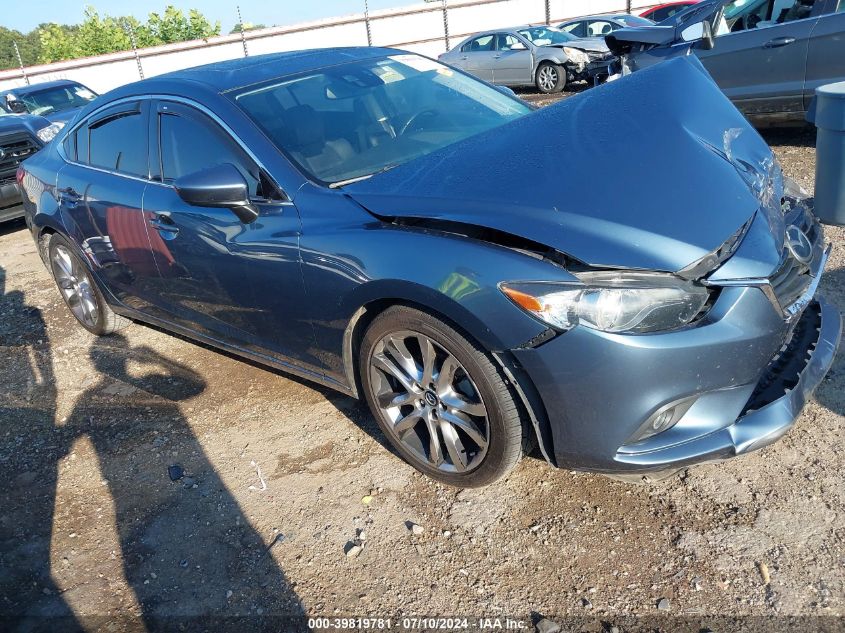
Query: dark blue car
x,y
395,229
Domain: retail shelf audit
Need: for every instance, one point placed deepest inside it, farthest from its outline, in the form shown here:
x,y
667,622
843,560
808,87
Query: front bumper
x,y
749,371
11,205
592,71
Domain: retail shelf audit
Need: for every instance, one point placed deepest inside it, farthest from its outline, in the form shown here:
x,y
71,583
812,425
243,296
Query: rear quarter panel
x,y
826,55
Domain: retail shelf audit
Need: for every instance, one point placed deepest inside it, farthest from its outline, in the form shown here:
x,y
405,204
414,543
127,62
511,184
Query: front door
x,y
514,63
479,56
235,282
101,191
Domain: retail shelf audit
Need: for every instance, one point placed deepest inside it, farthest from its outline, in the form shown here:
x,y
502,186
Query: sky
x,y
268,12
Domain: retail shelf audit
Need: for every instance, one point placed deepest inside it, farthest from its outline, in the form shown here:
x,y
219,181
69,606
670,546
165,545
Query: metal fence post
x,y
131,32
446,23
548,12
367,23
243,35
627,6
20,62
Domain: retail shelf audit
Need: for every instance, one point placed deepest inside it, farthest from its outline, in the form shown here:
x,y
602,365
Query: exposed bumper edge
x,y
757,428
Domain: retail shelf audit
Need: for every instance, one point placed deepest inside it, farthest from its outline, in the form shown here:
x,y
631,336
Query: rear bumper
x,y
11,205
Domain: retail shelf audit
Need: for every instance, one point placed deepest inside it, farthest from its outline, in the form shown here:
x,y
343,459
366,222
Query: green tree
x,y
97,34
29,45
174,26
247,26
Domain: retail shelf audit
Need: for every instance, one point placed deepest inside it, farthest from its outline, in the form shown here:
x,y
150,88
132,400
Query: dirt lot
x,y
281,477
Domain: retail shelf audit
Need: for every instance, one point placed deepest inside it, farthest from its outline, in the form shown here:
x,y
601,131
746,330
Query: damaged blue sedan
x,y
401,232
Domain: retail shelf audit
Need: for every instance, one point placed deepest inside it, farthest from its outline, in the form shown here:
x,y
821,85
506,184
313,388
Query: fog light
x,y
663,420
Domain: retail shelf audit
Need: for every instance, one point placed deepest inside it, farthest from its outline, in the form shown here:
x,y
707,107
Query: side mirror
x,y
518,46
700,32
17,107
222,187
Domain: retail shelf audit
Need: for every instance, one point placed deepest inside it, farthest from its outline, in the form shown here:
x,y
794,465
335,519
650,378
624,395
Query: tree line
x,y
96,35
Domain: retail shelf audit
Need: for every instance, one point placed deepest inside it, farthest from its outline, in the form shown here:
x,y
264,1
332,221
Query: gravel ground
x,y
286,502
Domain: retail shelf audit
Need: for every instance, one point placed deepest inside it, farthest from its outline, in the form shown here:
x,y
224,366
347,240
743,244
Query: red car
x,y
663,11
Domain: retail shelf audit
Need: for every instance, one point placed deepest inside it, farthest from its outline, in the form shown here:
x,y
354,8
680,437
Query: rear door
x,y
762,69
826,54
479,56
513,67
235,282
101,192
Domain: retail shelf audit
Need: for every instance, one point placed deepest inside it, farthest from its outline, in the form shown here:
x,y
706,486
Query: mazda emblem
x,y
799,244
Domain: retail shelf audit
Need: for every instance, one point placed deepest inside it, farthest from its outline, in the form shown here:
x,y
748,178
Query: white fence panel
x,y
417,28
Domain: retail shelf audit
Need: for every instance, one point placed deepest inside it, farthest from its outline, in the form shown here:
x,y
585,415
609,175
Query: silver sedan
x,y
543,56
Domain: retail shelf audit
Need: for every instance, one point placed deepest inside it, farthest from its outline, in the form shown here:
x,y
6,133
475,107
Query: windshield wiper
x,y
349,181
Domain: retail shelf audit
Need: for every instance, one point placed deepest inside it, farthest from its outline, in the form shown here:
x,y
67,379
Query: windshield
x,y
353,120
546,36
56,99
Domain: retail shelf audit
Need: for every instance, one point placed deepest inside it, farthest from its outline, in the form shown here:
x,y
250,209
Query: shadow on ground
x,y
188,552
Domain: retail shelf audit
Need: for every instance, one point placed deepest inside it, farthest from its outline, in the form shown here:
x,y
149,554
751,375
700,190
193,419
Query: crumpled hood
x,y
632,174
594,44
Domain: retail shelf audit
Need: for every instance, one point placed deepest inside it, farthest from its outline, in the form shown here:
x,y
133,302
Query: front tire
x,y
440,399
550,78
79,291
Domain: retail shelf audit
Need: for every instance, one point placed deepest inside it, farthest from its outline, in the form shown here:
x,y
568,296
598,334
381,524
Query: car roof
x,y
24,90
598,16
245,71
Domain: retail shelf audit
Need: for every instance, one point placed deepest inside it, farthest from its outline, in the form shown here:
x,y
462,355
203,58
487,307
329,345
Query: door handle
x,y
69,196
165,225
779,41
497,56
464,57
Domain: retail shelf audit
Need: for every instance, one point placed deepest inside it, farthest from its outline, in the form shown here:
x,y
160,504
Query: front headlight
x,y
47,134
617,302
575,55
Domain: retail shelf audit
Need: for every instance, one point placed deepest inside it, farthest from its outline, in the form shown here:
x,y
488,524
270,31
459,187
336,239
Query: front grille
x,y
790,280
14,149
792,277
598,56
784,370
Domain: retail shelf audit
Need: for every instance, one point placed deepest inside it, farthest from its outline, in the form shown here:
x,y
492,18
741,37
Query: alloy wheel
x,y
430,401
548,78
76,286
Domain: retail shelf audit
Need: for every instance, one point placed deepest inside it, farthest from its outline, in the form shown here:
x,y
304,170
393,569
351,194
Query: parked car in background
x,y
57,101
543,56
601,25
768,56
19,139
663,11
400,231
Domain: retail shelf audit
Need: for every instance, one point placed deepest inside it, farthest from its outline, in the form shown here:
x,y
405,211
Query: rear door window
x,y
578,29
116,140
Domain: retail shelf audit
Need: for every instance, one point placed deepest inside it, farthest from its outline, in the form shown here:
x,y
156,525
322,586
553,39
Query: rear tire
x,y
550,78
440,399
79,290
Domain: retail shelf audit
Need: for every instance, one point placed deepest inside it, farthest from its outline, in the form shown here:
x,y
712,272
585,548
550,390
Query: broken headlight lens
x,y
634,303
48,133
576,56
